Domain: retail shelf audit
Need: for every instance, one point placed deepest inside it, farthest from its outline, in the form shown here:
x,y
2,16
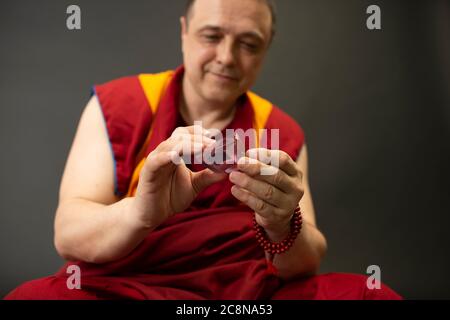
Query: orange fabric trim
x,y
154,86
135,179
261,109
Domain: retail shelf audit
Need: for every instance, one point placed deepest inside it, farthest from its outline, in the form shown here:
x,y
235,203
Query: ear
x,y
183,24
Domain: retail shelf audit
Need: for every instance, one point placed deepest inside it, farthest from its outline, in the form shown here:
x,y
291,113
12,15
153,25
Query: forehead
x,y
234,16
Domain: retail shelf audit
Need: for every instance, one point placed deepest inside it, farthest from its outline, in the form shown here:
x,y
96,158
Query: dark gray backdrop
x,y
375,106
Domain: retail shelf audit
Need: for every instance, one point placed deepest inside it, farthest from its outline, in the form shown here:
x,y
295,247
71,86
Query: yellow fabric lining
x,y
154,86
261,109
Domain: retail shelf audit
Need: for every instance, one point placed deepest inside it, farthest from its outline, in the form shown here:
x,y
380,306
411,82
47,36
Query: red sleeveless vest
x,y
141,111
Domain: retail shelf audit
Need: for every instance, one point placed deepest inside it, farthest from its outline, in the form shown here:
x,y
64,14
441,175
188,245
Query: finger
x,y
187,135
278,178
188,149
204,178
263,190
187,141
154,163
275,158
192,130
190,138
263,208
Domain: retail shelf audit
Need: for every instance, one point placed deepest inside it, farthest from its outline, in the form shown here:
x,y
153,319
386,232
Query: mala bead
x,y
284,245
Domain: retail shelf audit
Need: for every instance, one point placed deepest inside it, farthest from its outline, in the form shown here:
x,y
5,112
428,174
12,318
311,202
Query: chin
x,y
220,95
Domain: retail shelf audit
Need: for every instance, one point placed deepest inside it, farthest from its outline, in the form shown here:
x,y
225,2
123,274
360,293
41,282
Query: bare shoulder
x,y
306,203
89,169
302,159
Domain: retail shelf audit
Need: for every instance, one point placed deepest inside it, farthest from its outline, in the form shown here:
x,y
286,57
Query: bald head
x,y
223,48
270,4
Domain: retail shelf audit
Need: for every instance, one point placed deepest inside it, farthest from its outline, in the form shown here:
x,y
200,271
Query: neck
x,y
213,114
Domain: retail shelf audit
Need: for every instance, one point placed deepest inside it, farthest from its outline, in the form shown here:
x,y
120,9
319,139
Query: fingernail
x,y
253,153
197,147
209,141
242,160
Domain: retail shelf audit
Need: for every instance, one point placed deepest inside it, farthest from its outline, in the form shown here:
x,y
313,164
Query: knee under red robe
x,y
207,252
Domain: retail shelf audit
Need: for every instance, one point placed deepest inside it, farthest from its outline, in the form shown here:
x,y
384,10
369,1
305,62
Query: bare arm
x,y
310,246
274,198
91,223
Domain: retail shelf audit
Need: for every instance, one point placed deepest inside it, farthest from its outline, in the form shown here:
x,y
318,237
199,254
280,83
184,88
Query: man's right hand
x,y
92,223
167,186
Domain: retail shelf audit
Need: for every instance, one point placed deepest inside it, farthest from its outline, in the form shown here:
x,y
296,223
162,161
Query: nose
x,y
225,53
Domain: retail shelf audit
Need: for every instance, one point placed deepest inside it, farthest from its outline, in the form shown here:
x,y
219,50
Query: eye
x,y
249,46
211,37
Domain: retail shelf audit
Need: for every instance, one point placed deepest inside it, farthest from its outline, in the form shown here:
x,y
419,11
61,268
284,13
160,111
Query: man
x,y
141,226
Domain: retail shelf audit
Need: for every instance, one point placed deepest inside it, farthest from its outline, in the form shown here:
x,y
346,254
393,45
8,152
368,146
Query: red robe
x,y
207,252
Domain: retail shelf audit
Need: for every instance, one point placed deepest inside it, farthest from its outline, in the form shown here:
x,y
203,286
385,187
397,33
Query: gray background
x,y
375,106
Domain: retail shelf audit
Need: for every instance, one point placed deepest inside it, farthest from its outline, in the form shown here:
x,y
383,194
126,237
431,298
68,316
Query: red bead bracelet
x,y
283,246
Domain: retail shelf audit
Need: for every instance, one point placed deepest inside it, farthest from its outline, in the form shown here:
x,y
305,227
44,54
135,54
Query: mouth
x,y
224,77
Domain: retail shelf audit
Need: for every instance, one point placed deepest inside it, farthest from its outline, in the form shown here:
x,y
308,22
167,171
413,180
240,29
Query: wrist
x,y
277,246
279,232
134,217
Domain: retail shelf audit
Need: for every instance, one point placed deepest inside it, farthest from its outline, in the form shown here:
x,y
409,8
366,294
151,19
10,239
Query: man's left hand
x,y
274,196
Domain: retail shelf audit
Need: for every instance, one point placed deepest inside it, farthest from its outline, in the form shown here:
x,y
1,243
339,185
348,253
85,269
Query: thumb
x,y
205,178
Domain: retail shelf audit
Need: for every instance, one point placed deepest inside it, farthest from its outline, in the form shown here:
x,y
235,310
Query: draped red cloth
x,y
207,252
203,254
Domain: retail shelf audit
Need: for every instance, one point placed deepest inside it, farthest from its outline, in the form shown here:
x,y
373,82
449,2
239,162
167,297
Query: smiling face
x,y
224,43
